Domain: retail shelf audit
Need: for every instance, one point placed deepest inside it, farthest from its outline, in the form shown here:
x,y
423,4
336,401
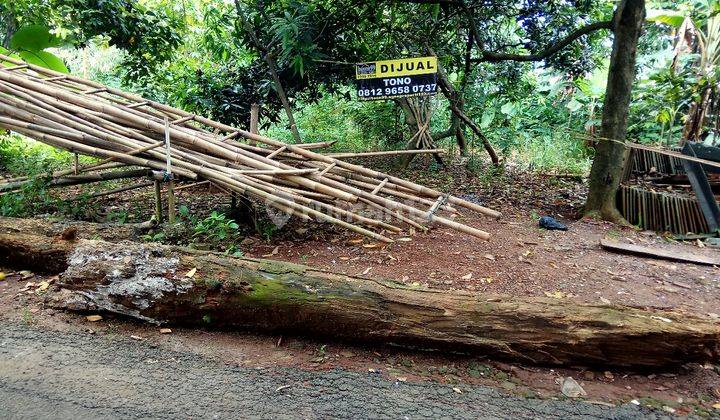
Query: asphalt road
x,y
47,374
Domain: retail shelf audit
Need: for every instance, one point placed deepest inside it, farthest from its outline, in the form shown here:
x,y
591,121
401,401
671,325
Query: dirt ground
x,y
520,259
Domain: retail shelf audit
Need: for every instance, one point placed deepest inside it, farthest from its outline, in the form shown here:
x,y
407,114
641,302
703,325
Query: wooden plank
x,y
650,252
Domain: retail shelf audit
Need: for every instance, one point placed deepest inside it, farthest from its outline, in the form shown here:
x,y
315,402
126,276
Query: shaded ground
x,y
520,259
45,374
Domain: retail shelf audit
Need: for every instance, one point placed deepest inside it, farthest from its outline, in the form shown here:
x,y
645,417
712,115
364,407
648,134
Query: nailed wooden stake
x,y
158,202
171,183
171,201
254,121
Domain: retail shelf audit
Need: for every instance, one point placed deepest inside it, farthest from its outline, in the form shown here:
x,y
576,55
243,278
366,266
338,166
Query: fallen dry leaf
x,y
367,270
165,331
273,252
191,273
94,318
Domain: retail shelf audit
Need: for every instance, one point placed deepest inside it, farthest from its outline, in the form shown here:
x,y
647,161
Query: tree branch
x,y
549,51
267,56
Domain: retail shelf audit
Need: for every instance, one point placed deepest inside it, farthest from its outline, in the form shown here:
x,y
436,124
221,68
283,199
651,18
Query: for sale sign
x,y
390,79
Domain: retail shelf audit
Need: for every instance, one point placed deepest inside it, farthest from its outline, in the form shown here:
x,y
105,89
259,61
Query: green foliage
x,y
21,156
30,42
354,125
32,198
149,35
217,229
33,38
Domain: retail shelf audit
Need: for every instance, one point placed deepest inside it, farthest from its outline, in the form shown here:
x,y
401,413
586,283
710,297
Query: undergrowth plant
x,y
217,231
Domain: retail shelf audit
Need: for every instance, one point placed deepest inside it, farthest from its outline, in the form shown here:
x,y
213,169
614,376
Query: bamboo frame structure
x,y
123,129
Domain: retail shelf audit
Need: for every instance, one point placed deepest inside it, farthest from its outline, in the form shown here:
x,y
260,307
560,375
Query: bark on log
x,y
150,282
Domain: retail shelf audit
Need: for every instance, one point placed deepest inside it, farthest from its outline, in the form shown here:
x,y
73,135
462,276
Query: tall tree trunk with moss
x,y
8,25
610,156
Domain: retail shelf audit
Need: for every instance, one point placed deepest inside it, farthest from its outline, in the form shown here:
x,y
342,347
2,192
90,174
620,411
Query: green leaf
x,y
33,38
508,109
669,17
435,11
487,118
573,105
44,59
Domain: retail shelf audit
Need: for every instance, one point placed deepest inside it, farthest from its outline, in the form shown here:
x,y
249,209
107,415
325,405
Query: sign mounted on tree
x,y
396,78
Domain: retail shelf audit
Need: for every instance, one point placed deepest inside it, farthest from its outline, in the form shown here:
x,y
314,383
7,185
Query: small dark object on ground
x,y
69,234
549,223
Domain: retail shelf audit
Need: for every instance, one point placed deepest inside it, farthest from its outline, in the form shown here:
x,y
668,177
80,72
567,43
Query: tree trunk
x,y
10,25
413,127
267,56
162,284
449,92
610,156
695,121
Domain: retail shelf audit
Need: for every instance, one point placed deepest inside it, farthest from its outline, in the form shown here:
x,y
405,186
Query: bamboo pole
x,y
265,140
89,116
386,153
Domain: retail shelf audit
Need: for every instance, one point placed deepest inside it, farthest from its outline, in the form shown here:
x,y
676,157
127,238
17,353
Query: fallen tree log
x,y
110,232
162,284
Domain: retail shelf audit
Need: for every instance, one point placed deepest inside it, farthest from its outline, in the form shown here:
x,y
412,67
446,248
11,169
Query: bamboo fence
x,y
123,129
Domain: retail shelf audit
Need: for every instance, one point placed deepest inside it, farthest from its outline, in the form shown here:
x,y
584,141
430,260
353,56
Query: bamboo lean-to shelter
x,y
123,129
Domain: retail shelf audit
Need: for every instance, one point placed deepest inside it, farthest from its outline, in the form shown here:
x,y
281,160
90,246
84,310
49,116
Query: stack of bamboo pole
x,y
123,129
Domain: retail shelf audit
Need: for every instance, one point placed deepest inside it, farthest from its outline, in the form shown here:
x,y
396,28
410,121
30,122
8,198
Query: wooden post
x,y
168,170
171,201
158,202
254,120
76,164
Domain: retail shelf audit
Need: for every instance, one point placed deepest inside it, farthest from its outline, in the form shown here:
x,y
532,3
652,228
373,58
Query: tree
x,y
148,35
611,153
325,36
